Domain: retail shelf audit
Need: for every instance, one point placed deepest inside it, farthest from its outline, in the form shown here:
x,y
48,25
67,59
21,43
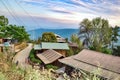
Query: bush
x,y
49,66
33,57
103,50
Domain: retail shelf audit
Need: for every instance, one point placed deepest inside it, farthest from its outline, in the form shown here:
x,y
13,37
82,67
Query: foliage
x,y
115,38
18,32
115,33
49,37
116,51
49,66
3,21
103,49
96,33
75,39
12,31
33,57
70,52
85,29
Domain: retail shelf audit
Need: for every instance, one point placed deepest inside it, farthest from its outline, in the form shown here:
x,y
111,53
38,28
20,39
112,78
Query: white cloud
x,y
71,12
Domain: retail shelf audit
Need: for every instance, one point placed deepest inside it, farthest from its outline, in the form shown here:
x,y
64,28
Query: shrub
x,y
33,57
49,66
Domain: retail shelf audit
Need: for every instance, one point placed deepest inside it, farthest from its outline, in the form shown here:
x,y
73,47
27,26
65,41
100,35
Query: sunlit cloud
x,y
64,12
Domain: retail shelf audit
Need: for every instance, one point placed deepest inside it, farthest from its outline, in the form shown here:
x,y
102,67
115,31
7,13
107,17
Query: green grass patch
x,y
33,57
49,66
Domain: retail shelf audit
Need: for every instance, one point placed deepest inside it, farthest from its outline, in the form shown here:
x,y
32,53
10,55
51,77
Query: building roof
x,y
73,44
49,56
48,45
61,40
90,60
37,47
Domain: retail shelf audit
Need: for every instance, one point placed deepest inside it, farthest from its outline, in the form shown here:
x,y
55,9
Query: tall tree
x,y
85,30
49,37
96,33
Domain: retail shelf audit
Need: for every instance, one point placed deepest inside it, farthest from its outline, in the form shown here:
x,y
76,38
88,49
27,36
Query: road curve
x,y
21,57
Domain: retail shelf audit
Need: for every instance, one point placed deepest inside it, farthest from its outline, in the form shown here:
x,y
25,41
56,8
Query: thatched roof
x,y
49,56
90,60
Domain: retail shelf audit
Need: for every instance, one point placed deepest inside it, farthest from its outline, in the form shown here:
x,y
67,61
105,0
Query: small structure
x,y
59,47
60,39
4,46
90,61
74,46
50,56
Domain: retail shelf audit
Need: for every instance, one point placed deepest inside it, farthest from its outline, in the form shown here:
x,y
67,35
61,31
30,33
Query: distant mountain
x,y
66,33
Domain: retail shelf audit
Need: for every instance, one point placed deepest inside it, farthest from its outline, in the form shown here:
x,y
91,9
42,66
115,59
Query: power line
x,y
27,13
13,11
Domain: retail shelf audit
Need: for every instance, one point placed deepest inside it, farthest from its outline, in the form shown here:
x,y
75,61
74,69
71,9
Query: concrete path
x,y
21,57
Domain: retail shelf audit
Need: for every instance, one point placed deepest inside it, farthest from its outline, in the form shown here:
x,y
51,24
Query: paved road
x,y
21,56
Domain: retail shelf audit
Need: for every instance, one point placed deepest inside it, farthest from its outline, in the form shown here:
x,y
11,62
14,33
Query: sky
x,y
52,14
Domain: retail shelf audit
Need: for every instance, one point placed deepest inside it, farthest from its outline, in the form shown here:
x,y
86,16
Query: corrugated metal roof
x,y
90,60
47,45
49,56
37,47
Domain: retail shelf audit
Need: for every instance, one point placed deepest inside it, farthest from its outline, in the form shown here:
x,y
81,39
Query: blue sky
x,y
58,13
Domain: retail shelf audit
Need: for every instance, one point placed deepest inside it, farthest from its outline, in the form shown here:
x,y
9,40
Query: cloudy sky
x,y
58,13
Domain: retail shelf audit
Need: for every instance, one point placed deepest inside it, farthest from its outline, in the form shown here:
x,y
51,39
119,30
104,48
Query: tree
x,y
49,37
115,38
96,34
116,51
15,32
85,30
115,35
18,32
3,25
3,21
75,39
